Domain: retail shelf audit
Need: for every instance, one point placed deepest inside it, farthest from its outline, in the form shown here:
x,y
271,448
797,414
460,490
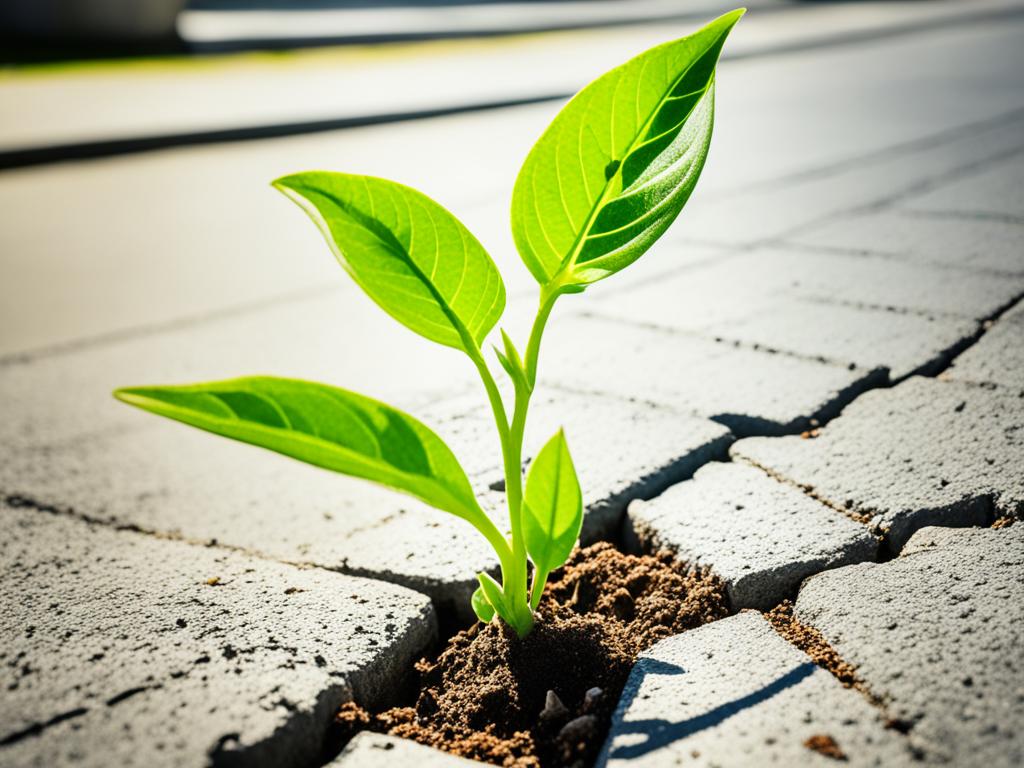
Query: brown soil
x,y
812,642
1003,522
486,696
825,745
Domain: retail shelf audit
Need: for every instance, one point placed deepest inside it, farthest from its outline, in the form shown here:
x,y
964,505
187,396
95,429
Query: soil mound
x,y
486,696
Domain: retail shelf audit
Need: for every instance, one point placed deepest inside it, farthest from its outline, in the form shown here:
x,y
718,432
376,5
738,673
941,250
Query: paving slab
x,y
734,693
903,343
761,536
377,750
622,450
90,454
747,390
974,244
998,356
758,282
121,648
925,452
994,192
936,633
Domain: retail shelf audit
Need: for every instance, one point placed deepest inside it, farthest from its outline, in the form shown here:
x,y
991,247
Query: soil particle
x,y
1003,522
825,745
813,643
483,696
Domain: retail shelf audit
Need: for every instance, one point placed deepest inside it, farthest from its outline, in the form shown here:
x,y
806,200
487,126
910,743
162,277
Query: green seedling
x,y
607,178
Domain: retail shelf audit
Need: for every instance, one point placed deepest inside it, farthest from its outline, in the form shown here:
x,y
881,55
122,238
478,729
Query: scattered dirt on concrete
x,y
825,745
812,642
1003,522
547,700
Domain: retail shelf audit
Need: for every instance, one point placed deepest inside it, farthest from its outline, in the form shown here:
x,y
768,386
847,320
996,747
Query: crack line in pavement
x,y
36,728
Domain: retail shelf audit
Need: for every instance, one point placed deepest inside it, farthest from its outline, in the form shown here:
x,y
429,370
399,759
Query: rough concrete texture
x,y
172,479
375,750
903,343
747,390
734,693
762,537
998,356
749,284
955,242
994,191
936,633
123,649
622,450
923,453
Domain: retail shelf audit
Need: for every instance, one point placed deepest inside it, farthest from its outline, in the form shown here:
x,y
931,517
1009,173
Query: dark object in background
x,y
100,21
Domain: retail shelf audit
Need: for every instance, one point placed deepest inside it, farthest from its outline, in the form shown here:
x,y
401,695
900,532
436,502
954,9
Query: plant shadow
x,y
659,732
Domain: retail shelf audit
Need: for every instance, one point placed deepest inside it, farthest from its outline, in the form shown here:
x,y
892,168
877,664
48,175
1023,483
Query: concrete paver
x,y
774,393
128,468
762,537
956,242
923,453
376,750
124,649
936,633
734,693
998,356
994,192
621,450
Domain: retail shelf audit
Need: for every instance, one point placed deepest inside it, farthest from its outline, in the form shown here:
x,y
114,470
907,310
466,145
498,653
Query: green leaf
x,y
617,164
324,426
495,597
553,506
413,257
510,360
481,607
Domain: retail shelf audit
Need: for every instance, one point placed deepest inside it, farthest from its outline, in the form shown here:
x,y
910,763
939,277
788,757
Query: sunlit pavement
x,y
841,298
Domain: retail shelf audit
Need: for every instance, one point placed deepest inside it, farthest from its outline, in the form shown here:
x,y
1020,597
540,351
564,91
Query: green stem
x,y
540,578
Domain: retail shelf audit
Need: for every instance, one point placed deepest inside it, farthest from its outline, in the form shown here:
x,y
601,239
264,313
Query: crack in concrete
x,y
37,728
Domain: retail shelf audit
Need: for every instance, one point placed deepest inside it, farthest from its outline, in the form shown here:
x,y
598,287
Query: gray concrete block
x,y
954,242
171,479
747,390
997,357
871,310
936,633
923,453
904,343
995,191
123,649
762,537
376,750
622,450
734,693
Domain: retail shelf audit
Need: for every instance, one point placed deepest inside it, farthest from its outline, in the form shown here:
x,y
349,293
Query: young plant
x,y
606,179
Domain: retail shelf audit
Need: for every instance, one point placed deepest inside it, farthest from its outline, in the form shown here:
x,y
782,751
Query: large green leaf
x,y
325,426
553,506
413,257
619,161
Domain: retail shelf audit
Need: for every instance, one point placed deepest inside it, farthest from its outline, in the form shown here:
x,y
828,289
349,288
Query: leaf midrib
x,y
577,246
457,324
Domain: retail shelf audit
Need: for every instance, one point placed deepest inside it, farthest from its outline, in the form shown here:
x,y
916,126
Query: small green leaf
x,y
325,426
552,506
496,597
617,164
413,257
510,360
483,609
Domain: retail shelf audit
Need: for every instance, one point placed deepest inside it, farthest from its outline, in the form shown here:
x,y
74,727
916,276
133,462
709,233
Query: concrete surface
x,y
923,453
123,648
760,536
734,693
935,634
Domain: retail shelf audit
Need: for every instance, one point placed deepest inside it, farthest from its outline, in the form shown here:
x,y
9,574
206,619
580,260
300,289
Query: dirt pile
x,y
547,700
